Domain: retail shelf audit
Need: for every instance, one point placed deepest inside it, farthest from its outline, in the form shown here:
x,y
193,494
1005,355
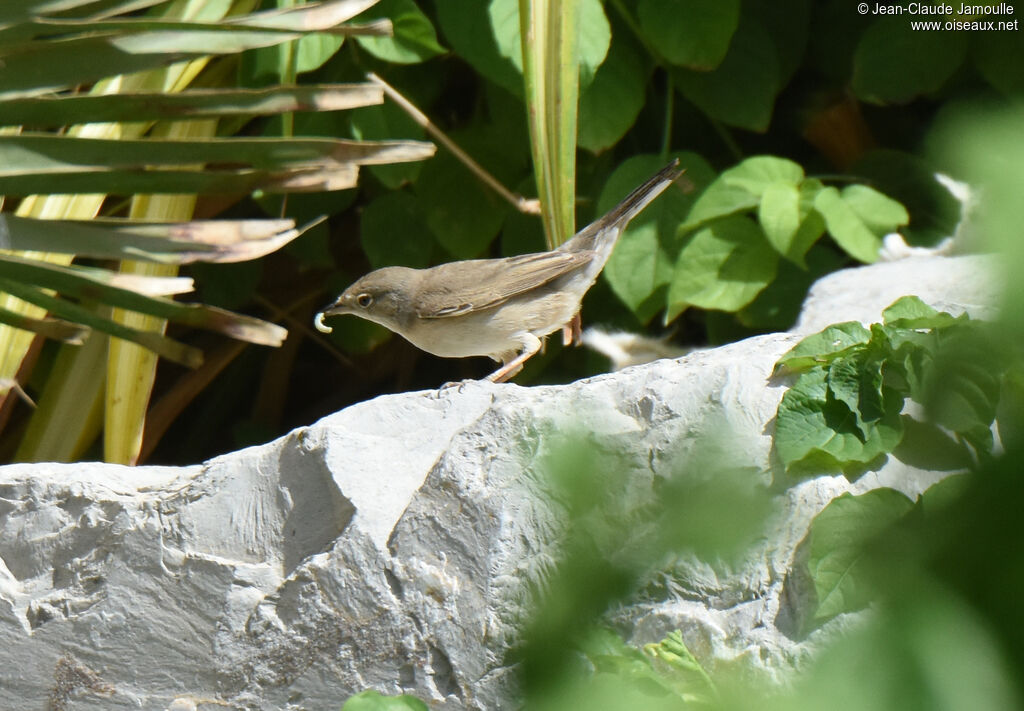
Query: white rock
x,y
392,545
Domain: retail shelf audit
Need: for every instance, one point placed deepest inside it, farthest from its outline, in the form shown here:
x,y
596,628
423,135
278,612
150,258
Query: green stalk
x,y
551,76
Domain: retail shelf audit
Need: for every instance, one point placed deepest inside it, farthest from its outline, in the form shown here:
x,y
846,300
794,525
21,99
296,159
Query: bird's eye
x,y
364,300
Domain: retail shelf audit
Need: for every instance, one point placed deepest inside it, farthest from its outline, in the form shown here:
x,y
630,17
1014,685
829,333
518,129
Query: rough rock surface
x,y
390,545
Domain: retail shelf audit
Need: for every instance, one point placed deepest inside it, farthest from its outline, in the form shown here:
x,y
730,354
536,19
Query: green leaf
x,y
722,266
551,54
694,34
961,389
1000,59
99,285
611,103
505,27
815,432
48,328
176,243
894,63
414,38
779,215
375,701
911,312
741,90
467,27
313,51
846,226
464,215
116,47
388,121
229,286
822,347
158,343
595,38
810,230
56,111
28,164
391,231
643,261
838,536
934,212
856,381
787,23
719,199
778,306
592,27
881,214
757,174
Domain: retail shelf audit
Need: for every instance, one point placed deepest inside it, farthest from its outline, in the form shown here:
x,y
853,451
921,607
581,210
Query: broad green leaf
x,y
56,111
693,34
313,51
927,446
722,266
838,537
463,214
505,26
787,23
375,701
610,104
592,27
934,212
822,347
894,63
779,305
718,200
846,226
856,381
467,27
881,214
414,38
643,261
961,388
815,433
1010,410
595,37
812,224
779,215
388,121
741,90
757,174
1000,59
392,232
911,312
229,286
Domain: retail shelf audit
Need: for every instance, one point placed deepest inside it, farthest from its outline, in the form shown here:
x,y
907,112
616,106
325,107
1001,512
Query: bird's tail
x,y
601,235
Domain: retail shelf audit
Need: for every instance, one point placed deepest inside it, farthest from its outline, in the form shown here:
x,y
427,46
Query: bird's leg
x,y
572,332
531,344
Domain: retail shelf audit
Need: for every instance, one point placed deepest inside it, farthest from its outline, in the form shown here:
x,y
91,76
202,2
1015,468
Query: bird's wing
x,y
496,281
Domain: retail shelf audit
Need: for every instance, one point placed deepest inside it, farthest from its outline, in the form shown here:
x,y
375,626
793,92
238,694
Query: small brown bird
x,y
500,308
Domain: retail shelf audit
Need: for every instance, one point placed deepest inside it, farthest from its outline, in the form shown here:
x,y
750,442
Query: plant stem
x,y
524,205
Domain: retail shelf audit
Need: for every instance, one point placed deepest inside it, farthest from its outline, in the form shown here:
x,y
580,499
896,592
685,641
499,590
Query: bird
x,y
502,308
